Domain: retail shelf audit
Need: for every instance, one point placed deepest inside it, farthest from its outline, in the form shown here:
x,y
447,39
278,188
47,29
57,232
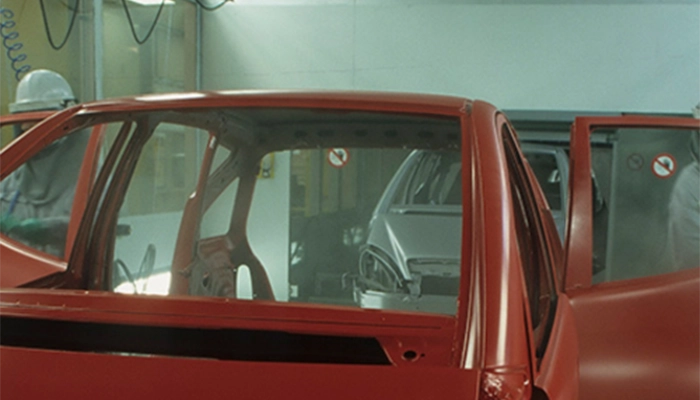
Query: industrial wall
x,y
602,57
26,29
122,67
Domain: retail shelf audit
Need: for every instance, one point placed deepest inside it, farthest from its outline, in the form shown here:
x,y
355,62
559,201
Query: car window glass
x,y
217,217
646,202
434,179
37,198
546,170
295,218
162,181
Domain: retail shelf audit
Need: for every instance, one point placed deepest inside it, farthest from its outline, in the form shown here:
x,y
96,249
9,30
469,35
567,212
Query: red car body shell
x,y
490,336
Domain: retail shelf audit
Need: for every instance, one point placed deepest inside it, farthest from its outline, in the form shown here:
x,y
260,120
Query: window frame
x,y
520,186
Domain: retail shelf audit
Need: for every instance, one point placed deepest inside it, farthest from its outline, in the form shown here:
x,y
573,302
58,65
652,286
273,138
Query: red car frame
x,y
66,331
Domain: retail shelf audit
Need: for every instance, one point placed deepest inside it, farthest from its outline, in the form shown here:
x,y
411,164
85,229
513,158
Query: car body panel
x,y
23,118
562,358
635,338
114,377
486,348
400,343
426,335
495,244
429,335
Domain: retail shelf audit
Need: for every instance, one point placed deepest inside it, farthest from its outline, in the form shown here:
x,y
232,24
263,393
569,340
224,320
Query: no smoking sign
x,y
663,166
338,157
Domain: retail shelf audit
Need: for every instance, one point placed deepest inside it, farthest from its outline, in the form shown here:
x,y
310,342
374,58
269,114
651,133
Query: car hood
x,y
418,233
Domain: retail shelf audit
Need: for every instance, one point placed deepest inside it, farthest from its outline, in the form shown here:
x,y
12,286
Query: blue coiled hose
x,y
12,49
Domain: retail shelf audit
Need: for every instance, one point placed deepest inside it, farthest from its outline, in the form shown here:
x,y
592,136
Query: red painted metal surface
x,y
639,338
371,101
23,118
35,139
187,231
505,331
99,376
212,313
86,178
487,344
489,334
561,361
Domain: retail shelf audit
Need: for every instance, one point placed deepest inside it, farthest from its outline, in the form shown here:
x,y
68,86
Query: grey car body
x,y
411,258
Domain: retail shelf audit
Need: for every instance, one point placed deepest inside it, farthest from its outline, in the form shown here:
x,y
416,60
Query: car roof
x,y
357,100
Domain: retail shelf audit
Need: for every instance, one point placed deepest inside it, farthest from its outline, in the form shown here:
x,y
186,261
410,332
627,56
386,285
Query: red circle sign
x,y
338,157
664,166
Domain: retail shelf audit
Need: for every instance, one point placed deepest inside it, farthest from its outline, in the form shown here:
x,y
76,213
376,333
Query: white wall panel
x,y
248,44
632,57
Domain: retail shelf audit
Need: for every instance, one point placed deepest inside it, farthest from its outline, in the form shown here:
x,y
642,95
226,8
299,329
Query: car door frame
x,y
555,368
634,339
23,263
28,117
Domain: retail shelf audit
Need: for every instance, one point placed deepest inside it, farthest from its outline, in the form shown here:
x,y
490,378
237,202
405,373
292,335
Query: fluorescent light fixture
x,y
151,2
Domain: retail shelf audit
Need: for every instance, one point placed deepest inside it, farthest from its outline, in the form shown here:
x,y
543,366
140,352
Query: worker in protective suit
x,y
684,209
37,198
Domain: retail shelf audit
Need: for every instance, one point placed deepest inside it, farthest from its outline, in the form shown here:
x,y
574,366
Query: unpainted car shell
x,y
399,235
403,234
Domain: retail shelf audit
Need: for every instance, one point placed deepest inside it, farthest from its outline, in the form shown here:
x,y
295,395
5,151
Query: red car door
x,y
24,261
631,256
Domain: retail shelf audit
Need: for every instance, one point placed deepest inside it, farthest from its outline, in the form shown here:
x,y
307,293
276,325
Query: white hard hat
x,y
42,90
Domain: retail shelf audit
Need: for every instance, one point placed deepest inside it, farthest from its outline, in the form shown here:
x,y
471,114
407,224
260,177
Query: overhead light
x,y
151,2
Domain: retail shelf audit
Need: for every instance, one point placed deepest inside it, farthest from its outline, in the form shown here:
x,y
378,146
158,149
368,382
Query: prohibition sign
x,y
663,166
338,157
